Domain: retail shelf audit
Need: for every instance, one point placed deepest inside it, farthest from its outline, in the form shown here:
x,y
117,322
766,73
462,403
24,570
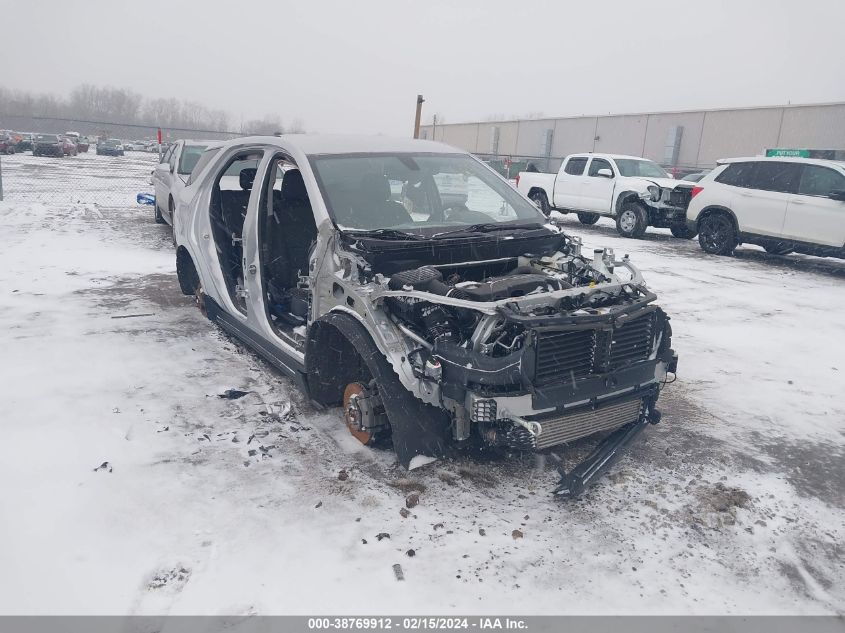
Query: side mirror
x,y
604,172
837,194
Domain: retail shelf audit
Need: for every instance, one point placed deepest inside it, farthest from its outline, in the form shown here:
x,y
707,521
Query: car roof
x,y
783,159
611,156
321,144
206,144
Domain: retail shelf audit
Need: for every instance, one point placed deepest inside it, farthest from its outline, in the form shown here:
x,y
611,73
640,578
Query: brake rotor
x,y
352,412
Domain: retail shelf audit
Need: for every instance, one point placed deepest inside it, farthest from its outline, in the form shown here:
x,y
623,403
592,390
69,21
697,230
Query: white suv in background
x,y
781,204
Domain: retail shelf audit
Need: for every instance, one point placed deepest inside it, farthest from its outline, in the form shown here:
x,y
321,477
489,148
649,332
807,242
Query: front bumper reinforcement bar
x,y
573,483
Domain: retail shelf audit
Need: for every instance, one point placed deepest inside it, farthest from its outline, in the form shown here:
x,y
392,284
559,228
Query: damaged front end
x,y
667,205
532,352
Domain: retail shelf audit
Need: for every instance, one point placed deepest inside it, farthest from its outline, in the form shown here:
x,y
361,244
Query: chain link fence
x,y
86,178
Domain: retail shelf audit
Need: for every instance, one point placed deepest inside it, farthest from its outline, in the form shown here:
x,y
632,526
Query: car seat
x,y
290,232
374,208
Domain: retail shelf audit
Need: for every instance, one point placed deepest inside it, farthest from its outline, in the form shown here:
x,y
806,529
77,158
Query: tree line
x,y
87,102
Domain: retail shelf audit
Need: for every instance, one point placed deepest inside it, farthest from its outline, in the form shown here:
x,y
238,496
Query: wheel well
x,y
332,359
624,197
708,211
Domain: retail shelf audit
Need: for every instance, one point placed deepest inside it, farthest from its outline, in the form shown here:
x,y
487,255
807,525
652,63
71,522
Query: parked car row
x,y
145,146
783,204
67,144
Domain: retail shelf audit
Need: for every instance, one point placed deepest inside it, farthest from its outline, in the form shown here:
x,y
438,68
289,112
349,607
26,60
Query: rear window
x,y
47,138
820,181
575,166
776,176
737,174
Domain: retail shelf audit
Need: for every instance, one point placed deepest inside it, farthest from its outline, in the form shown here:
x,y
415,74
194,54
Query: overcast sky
x,y
357,65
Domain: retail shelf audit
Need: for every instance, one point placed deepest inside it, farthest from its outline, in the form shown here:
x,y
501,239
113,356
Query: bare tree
x,y
88,102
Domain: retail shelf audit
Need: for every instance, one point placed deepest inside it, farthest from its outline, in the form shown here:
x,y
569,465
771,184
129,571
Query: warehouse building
x,y
685,141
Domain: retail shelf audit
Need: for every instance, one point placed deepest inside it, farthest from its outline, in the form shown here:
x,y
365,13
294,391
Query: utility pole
x,y
434,128
420,101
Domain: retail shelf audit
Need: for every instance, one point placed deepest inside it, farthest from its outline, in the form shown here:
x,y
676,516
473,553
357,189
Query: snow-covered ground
x,y
733,504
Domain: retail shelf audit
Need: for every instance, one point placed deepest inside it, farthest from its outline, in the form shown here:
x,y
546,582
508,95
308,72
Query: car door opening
x,y
287,232
229,202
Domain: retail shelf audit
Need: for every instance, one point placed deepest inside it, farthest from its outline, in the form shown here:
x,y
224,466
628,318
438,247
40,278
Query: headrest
x,y
293,187
248,177
375,188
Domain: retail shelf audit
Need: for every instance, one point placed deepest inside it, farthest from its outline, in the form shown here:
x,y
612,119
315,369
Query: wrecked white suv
x,y
435,321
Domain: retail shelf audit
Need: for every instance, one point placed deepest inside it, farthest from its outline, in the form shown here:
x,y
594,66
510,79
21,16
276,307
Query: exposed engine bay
x,y
531,351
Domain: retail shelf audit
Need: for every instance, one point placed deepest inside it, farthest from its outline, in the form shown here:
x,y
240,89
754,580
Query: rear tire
x,y
588,218
186,273
717,235
172,210
632,220
682,231
539,198
158,216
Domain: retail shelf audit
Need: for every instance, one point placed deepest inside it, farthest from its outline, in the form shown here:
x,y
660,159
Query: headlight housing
x,y
654,193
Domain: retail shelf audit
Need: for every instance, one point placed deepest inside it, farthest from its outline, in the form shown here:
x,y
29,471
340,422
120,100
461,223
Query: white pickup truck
x,y
636,192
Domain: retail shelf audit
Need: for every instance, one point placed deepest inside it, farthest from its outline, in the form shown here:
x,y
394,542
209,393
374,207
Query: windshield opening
x,y
411,192
643,168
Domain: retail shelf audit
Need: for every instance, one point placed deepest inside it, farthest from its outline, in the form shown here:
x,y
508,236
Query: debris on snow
x,y
410,553
397,571
343,475
517,534
408,485
404,513
104,466
175,576
382,535
412,500
233,394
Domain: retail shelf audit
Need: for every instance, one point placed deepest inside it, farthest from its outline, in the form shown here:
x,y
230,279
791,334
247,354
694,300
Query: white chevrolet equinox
x,y
781,204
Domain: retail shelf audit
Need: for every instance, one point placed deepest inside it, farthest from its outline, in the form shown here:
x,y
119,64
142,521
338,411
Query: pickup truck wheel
x,y
588,218
716,234
780,248
632,220
682,231
539,198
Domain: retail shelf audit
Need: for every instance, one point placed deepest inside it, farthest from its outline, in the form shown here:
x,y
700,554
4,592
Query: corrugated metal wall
x,y
705,135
